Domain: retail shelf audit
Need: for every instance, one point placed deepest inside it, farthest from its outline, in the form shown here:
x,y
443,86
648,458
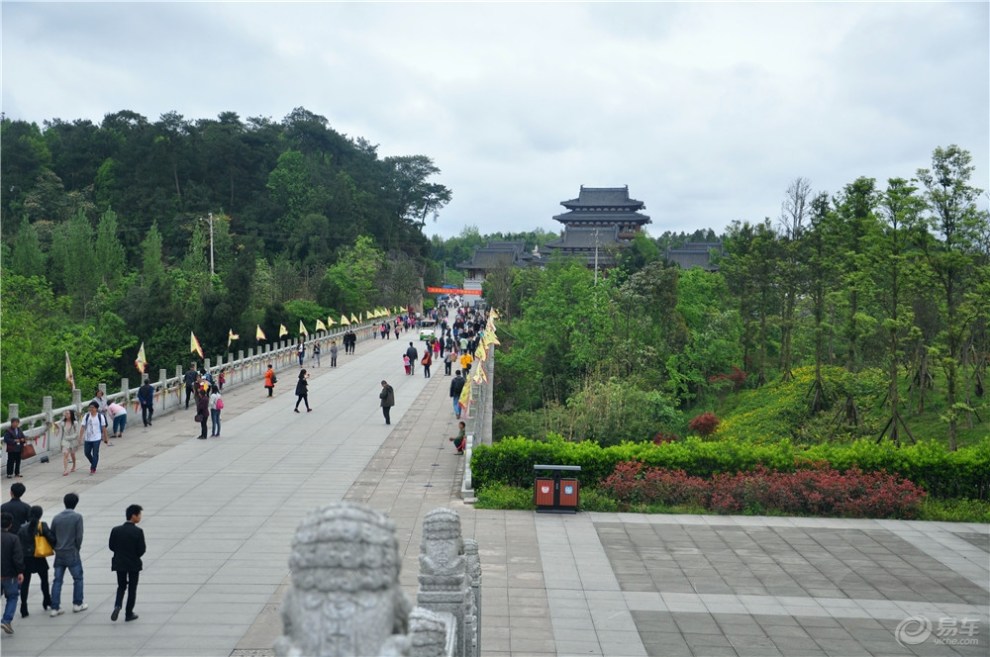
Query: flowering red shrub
x,y
704,424
631,483
736,377
821,491
662,437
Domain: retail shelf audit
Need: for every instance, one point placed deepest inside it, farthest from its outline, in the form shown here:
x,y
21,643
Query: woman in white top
x,y
216,405
67,435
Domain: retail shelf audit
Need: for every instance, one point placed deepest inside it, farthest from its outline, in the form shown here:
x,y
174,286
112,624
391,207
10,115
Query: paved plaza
x,y
220,514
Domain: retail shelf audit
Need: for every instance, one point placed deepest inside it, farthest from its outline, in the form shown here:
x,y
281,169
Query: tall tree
x,y
900,208
26,257
956,221
109,252
793,224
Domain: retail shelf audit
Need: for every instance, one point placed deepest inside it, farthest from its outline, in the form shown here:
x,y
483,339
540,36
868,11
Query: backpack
x,y
220,404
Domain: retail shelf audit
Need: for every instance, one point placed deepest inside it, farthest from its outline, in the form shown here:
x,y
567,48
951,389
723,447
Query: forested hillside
x,y
107,237
861,312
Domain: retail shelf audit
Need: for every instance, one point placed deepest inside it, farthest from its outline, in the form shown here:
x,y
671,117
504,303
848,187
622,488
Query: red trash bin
x,y
543,492
569,493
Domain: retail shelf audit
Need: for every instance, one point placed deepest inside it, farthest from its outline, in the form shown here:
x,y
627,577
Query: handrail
x,y
240,370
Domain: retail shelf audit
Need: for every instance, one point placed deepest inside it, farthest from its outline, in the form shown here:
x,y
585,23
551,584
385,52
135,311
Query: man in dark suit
x,y
127,545
18,509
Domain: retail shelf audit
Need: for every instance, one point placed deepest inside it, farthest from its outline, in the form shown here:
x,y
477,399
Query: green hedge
x,y
964,473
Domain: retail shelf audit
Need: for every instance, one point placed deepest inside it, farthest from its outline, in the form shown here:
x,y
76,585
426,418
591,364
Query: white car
x,y
427,330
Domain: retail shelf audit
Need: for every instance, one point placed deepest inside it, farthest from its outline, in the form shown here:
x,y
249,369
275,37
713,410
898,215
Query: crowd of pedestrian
x,y
29,542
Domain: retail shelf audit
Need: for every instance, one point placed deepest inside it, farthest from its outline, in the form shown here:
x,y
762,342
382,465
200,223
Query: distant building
x,y
599,222
695,254
494,256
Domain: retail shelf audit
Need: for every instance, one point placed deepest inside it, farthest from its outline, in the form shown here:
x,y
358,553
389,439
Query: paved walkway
x,y
219,516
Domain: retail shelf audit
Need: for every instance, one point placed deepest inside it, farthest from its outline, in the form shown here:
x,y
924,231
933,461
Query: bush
x,y
955,510
964,473
631,485
704,424
825,492
500,496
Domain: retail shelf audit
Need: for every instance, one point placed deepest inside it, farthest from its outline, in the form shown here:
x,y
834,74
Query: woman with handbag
x,y
202,410
37,540
216,405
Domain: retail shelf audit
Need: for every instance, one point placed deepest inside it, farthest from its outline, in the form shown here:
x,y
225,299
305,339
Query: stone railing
x,y
478,425
345,598
247,367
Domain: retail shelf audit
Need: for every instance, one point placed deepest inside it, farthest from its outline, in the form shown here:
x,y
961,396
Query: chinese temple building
x,y
494,256
597,223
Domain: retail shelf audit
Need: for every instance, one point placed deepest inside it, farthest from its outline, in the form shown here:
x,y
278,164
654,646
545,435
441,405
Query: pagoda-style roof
x,y
597,197
497,254
582,238
695,254
603,205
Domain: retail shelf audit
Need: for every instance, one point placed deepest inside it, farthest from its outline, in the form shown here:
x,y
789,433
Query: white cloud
x,y
707,111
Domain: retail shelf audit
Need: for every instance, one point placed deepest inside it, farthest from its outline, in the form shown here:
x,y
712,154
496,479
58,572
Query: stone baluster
x,y
345,597
430,634
474,573
443,580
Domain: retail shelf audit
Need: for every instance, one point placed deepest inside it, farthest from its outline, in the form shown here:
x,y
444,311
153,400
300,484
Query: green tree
x,y
899,211
108,251
27,258
349,284
956,221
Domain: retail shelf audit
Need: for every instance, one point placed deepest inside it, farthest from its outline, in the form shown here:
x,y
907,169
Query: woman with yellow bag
x,y
37,539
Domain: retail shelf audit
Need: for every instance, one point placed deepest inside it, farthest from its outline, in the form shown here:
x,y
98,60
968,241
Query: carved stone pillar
x,y
430,634
345,597
444,585
474,575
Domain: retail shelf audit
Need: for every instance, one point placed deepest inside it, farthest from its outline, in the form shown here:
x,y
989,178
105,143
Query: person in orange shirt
x,y
466,361
270,380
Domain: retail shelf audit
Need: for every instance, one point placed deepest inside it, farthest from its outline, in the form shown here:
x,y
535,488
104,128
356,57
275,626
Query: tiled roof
x,y
498,254
580,216
603,196
585,238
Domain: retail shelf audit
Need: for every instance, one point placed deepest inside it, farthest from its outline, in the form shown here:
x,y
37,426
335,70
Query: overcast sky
x,y
706,111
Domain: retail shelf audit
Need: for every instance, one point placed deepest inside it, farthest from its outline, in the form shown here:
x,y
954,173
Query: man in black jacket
x,y
146,396
127,545
190,380
456,386
19,510
11,570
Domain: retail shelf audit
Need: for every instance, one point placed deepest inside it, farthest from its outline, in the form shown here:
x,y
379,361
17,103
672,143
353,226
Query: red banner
x,y
449,290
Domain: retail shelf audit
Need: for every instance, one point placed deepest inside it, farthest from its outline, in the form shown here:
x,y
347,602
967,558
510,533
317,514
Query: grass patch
x,y
501,496
958,510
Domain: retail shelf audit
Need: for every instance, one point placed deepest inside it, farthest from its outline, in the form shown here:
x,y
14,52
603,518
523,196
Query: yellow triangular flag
x,y
344,321
231,336
282,331
141,363
302,329
320,326
194,344
69,376
330,321
259,335
355,319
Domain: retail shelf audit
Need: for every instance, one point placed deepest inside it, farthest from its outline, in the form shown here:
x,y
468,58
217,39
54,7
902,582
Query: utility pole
x,y
596,257
211,244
